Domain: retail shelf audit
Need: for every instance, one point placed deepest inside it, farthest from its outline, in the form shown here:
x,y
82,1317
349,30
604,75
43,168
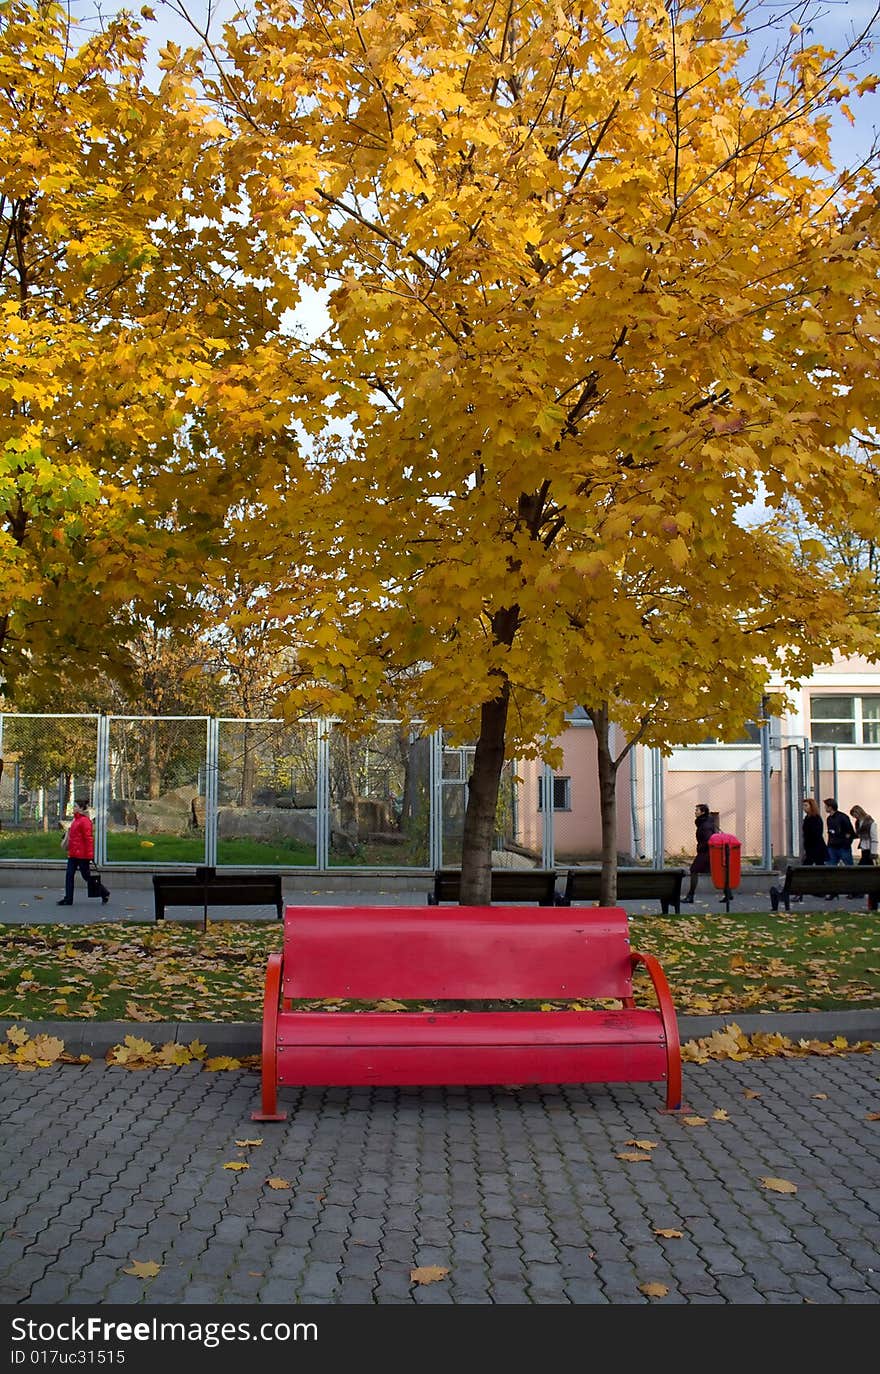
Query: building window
x,y
561,795
845,720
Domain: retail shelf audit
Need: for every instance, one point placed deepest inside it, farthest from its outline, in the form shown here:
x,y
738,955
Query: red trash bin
x,y
725,853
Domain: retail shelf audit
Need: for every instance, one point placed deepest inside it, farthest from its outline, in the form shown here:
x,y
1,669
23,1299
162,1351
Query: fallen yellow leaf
x,y
694,1120
222,1061
668,1233
237,1164
821,1097
278,1183
653,1290
750,1093
143,1269
243,1143
632,1155
779,1185
720,1115
643,1144
872,1116
428,1273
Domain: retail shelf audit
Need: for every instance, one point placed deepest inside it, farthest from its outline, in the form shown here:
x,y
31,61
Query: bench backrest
x,y
508,885
631,882
263,882
816,878
465,952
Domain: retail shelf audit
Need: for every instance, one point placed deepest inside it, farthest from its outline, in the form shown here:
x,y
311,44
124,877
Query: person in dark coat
x,y
704,826
813,830
815,850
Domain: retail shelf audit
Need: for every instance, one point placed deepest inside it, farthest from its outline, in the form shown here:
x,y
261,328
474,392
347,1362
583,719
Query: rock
x,y
266,823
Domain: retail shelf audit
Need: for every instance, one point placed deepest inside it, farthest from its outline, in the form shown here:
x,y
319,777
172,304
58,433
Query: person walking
x,y
813,831
840,833
866,832
79,841
815,850
704,826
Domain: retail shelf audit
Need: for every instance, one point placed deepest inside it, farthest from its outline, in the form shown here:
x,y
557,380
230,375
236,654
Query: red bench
x,y
466,953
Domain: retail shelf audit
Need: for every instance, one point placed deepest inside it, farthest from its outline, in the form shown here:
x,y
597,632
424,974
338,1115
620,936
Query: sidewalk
x,y
516,1196
520,1195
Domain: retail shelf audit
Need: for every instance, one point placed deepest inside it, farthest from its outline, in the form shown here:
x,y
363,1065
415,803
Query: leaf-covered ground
x,y
173,972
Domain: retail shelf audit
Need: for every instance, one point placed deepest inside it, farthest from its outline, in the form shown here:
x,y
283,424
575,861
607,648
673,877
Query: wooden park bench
x,y
469,953
535,885
206,888
633,885
816,880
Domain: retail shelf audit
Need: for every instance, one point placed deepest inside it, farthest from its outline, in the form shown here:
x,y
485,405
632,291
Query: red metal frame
x,y
271,1002
670,1027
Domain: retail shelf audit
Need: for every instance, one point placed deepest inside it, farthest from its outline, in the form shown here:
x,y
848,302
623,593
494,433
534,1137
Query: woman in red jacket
x,y
79,841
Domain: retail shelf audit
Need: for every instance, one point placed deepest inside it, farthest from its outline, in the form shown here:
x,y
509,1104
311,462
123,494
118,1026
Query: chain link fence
x,y
262,793
48,762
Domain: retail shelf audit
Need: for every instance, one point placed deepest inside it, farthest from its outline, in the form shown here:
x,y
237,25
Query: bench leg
x,y
269,1085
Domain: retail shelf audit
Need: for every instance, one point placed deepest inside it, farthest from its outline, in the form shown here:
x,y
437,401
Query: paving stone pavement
x,y
520,1194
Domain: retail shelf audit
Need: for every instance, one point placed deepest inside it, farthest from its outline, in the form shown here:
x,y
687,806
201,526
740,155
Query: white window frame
x,y
857,719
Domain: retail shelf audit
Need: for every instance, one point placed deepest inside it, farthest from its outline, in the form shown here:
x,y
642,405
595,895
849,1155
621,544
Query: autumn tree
x,y
594,286
132,285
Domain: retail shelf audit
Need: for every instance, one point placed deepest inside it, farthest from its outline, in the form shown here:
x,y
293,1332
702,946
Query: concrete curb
x,y
242,1038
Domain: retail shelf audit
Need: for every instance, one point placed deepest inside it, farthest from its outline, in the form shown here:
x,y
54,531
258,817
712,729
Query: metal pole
x,y
435,790
101,796
659,819
322,797
766,831
212,778
548,848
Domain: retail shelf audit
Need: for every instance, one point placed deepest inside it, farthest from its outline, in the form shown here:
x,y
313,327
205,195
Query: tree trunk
x,y
248,768
607,805
154,779
482,802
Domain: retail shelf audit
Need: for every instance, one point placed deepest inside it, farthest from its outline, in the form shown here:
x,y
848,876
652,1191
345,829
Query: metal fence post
x,y
212,776
766,830
101,794
322,797
435,800
548,847
659,837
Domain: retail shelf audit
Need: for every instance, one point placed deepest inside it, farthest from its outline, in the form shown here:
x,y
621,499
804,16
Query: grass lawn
x,y
128,846
715,964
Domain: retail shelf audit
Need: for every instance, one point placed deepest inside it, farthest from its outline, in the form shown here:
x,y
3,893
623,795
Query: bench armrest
x,y
271,1005
670,1026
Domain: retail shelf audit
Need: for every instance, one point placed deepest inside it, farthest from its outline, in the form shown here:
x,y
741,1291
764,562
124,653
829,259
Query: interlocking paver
x,y
519,1195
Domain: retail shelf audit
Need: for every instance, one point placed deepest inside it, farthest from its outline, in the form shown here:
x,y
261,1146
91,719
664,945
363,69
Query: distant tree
x,y
131,289
595,286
